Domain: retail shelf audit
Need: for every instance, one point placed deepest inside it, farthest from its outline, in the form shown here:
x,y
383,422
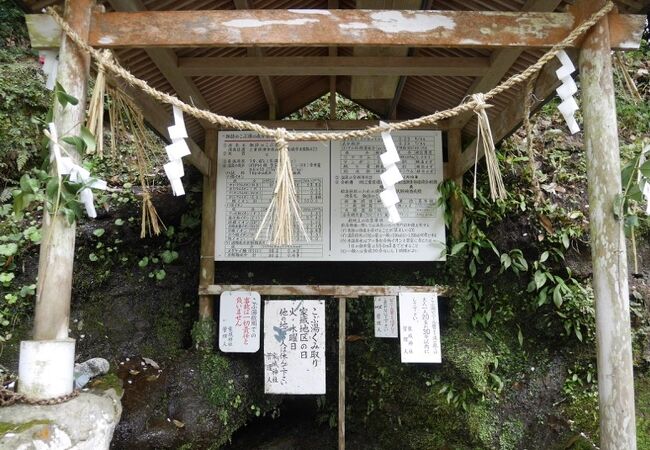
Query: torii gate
x,y
448,29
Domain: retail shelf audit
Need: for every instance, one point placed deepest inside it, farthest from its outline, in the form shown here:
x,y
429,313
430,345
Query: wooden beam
x,y
333,124
166,61
342,342
324,290
502,61
57,252
305,28
265,80
512,115
334,66
158,118
208,216
608,244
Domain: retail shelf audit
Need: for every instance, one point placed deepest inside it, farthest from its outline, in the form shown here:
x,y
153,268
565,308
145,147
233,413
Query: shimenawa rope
x,y
283,209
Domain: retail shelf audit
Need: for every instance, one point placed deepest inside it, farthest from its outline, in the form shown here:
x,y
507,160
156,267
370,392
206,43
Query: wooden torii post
x,y
608,251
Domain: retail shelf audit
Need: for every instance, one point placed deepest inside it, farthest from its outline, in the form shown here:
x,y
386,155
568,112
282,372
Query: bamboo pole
x,y
342,304
206,276
55,265
608,251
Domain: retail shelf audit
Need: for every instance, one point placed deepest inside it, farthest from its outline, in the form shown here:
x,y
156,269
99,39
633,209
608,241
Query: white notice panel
x,y
294,346
338,188
386,316
239,322
245,184
360,227
419,328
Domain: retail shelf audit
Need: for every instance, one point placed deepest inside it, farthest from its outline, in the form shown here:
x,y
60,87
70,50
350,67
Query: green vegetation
x,y
8,427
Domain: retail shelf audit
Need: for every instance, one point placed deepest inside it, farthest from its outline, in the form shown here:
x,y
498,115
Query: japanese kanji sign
x,y
294,346
338,186
386,316
239,322
419,328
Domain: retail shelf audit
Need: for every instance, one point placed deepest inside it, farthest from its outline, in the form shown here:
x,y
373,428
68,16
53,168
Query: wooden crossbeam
x,y
334,66
335,291
265,80
281,28
502,60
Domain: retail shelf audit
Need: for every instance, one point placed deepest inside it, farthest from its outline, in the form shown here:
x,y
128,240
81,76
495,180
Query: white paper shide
x,y
294,347
386,316
566,91
239,321
175,152
419,328
77,174
390,177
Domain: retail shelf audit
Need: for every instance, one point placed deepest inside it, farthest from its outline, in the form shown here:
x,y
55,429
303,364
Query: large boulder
x,y
85,422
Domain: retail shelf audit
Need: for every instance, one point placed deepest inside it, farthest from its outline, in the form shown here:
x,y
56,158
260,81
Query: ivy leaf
x,y
89,139
63,97
472,268
557,296
540,279
457,247
76,142
544,257
565,241
520,337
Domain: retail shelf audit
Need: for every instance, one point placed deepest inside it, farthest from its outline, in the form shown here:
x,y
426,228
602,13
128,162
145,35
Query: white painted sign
x,y
294,347
419,328
239,321
338,186
386,316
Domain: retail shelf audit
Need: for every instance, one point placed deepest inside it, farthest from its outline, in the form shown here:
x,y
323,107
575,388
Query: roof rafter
x,y
333,65
265,81
166,61
502,60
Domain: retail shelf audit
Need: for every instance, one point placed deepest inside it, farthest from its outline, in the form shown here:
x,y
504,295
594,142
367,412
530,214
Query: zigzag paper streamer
x,y
568,107
66,166
390,177
175,152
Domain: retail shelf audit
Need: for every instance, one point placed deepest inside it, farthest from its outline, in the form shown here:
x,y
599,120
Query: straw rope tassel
x,y
283,212
484,138
95,122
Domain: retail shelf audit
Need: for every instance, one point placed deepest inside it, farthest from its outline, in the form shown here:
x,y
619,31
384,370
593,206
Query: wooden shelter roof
x,y
271,82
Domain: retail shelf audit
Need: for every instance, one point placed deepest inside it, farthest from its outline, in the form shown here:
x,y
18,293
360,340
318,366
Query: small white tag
x,y
646,194
568,106
177,149
393,215
86,197
389,197
174,169
568,88
567,65
177,187
390,156
391,177
78,174
176,132
179,123
98,184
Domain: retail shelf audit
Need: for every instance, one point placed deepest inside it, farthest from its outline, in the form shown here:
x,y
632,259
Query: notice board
x,y
338,188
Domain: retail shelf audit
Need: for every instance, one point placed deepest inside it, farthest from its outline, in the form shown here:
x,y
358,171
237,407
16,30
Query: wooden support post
x,y
208,212
54,289
455,149
608,251
342,304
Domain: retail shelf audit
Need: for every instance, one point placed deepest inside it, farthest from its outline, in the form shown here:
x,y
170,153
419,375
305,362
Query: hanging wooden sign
x,y
338,186
419,328
294,346
386,316
239,322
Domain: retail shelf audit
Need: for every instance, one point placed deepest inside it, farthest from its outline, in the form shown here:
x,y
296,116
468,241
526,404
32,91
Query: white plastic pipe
x,y
46,368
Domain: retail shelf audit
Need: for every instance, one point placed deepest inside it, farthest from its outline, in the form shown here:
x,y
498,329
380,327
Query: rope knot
x,y
481,104
281,136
